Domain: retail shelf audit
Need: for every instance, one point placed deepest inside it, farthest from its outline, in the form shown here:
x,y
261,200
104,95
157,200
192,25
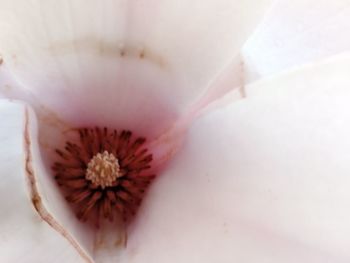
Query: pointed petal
x,y
264,179
25,236
298,32
134,64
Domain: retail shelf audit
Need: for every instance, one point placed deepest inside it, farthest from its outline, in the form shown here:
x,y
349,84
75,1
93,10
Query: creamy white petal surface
x,y
265,179
135,64
24,236
297,32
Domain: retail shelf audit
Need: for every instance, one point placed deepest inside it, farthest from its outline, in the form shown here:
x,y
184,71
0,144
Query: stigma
x,y
103,169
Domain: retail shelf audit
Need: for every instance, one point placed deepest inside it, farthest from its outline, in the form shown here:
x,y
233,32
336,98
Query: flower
x,y
250,177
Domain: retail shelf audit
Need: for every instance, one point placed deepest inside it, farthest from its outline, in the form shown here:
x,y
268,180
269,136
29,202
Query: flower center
x,y
103,174
103,169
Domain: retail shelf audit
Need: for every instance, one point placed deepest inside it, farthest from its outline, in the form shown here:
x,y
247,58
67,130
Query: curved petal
x,y
130,64
298,32
264,179
25,237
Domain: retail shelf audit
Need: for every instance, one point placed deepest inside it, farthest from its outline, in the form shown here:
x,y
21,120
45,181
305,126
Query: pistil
x,y
103,170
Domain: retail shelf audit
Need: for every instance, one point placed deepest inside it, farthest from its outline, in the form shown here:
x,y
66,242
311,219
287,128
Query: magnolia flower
x,y
261,178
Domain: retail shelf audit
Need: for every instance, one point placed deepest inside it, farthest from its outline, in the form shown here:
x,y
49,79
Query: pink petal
x,y
25,236
266,179
298,32
136,64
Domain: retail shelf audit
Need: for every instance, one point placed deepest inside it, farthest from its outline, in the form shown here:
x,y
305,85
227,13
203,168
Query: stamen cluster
x,y
103,174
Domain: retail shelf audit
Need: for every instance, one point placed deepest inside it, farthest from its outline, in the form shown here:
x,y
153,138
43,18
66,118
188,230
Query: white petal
x,y
298,32
25,236
266,179
130,64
